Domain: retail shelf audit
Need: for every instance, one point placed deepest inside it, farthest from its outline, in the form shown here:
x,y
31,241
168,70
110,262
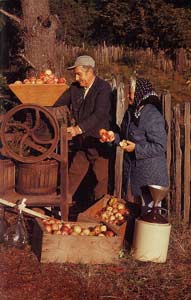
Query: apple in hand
x,y
106,136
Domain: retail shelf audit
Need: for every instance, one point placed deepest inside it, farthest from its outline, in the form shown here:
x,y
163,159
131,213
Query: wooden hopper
x,y
39,94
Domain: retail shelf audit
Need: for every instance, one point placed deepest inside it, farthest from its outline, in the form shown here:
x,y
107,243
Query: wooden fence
x,y
178,152
107,55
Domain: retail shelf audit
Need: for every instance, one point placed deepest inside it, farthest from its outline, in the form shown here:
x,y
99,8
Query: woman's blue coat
x,y
147,164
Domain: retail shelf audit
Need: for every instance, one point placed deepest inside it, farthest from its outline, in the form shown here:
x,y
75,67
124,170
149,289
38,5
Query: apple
x,y
41,76
121,206
103,135
109,233
65,229
48,228
26,81
109,208
111,219
18,82
39,81
77,229
112,201
118,215
97,229
104,216
55,227
86,231
48,72
61,80
103,228
68,225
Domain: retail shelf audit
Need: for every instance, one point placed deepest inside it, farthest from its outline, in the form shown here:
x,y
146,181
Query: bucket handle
x,y
164,209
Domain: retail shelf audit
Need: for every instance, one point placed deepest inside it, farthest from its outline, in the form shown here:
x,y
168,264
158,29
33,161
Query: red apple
x,y
109,233
61,80
65,229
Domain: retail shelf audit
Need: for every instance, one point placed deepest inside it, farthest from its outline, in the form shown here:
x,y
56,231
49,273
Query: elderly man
x,y
89,99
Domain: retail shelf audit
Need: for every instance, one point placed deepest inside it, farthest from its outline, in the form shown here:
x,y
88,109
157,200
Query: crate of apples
x,y
114,212
75,242
109,210
54,226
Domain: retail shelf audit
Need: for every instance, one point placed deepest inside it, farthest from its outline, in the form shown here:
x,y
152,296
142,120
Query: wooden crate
x,y
89,215
55,248
40,94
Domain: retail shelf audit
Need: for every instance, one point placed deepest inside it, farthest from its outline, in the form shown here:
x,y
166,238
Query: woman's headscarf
x,y
143,89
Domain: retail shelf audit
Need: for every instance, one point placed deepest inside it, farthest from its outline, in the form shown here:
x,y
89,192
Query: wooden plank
x,y
120,110
34,200
24,209
64,205
187,162
166,98
118,172
178,162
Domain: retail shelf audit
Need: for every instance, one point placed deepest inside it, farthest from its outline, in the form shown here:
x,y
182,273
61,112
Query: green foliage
x,y
158,24
76,18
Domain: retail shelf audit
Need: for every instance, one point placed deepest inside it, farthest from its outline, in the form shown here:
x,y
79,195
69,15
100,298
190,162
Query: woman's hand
x,y
127,145
106,136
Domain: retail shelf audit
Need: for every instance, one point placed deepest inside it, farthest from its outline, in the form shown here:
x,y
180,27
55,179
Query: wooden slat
x,y
178,162
64,205
33,200
120,110
24,209
168,117
187,163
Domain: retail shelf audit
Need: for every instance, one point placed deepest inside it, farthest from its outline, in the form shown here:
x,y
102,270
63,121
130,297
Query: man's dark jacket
x,y
92,112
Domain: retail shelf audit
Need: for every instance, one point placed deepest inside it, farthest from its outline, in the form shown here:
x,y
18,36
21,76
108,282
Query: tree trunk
x,y
40,44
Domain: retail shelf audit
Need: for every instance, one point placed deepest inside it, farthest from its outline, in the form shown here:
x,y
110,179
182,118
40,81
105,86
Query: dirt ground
x,y
23,277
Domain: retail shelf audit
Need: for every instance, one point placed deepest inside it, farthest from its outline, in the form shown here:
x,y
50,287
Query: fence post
x,y
166,99
187,162
178,161
120,110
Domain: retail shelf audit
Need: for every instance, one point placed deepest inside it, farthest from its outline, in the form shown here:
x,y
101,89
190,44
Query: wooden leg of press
x,y
64,205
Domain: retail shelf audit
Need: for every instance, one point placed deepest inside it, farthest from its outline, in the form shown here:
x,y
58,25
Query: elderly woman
x,y
143,138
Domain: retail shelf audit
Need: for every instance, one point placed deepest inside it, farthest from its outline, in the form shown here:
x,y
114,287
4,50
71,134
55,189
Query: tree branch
x,y
13,17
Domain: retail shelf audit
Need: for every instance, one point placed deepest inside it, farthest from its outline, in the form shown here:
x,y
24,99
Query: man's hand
x,y
74,130
127,145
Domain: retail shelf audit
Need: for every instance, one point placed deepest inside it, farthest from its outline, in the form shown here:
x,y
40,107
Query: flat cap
x,y
83,60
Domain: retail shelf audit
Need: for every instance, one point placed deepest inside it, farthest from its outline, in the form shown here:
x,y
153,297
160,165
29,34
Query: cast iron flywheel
x,y
29,133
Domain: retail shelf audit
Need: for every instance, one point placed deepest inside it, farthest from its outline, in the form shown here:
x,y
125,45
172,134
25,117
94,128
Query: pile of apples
x,y
46,77
114,212
55,226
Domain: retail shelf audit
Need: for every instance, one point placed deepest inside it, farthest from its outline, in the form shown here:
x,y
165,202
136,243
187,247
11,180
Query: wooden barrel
x,y
7,176
37,178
